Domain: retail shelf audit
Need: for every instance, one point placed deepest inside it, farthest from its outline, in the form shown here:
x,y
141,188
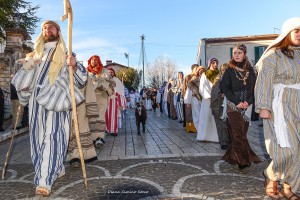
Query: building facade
x,y
221,48
115,66
16,46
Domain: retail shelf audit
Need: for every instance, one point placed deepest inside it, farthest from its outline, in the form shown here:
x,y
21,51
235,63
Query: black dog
x,y
140,116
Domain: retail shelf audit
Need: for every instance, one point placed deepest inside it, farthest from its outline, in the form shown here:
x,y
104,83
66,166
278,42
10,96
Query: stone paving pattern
x,y
163,163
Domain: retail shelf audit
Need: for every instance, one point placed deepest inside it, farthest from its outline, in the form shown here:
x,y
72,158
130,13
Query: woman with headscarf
x,y
192,98
237,84
216,105
277,95
186,109
207,130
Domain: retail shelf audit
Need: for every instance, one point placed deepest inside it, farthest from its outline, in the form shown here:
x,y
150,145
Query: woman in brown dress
x,y
238,87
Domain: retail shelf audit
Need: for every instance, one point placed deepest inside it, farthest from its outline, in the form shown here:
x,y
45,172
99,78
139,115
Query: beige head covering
x,y
287,27
58,60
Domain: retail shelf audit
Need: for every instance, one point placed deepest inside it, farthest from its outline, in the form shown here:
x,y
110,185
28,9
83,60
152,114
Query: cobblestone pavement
x,y
163,163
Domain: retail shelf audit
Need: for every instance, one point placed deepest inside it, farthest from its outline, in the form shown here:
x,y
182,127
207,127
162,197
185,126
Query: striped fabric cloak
x,y
49,115
85,111
103,89
177,102
277,68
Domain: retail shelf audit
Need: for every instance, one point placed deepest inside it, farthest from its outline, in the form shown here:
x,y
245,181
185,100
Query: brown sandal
x,y
42,191
290,195
271,188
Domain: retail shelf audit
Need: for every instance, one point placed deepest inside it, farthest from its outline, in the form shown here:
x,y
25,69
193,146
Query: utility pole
x,y
143,60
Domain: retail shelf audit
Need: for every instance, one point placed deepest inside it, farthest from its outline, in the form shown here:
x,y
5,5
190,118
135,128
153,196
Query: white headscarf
x,y
287,27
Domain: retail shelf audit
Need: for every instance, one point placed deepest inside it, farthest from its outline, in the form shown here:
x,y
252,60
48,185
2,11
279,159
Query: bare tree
x,y
162,70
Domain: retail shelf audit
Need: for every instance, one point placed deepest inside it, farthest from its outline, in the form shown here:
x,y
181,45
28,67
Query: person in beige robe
x,y
85,110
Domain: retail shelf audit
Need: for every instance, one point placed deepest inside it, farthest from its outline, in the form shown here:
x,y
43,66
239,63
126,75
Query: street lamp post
x,y
127,56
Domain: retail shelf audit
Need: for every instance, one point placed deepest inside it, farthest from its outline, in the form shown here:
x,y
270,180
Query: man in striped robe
x,y
46,89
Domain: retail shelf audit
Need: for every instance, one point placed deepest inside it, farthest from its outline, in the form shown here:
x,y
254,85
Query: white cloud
x,y
107,50
50,11
90,43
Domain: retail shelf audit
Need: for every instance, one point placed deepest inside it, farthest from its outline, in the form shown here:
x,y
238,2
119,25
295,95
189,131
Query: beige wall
x,y
221,51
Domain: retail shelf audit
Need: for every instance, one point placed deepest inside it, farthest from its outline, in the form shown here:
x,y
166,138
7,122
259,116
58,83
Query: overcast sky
x,y
173,28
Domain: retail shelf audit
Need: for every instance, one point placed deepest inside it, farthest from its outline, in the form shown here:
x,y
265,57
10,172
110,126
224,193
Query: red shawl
x,y
97,69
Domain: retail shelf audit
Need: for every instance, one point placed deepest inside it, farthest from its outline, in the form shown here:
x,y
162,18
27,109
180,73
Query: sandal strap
x,y
294,195
275,187
274,194
285,194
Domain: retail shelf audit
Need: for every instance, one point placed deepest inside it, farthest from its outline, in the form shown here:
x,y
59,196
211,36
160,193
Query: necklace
x,y
238,72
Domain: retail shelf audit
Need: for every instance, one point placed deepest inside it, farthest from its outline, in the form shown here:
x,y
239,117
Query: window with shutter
x,y
258,51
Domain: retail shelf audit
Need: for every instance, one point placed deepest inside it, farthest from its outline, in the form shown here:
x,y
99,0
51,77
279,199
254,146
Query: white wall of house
x,y
222,50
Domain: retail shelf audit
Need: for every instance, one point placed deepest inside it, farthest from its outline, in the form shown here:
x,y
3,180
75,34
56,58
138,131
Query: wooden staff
x,y
11,142
68,14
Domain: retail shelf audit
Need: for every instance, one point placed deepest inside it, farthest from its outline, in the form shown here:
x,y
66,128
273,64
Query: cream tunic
x,y
277,68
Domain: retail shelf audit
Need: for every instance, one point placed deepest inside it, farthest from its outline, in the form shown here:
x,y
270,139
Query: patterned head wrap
x,y
211,60
97,69
240,47
112,70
